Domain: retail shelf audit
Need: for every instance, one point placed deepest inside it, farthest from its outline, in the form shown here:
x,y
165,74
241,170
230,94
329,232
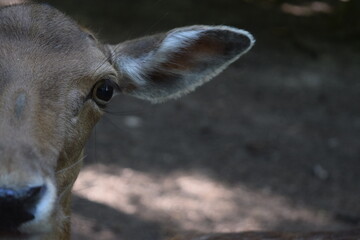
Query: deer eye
x,y
103,92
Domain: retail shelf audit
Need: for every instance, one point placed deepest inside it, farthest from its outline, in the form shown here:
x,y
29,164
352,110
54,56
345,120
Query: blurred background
x,y
273,143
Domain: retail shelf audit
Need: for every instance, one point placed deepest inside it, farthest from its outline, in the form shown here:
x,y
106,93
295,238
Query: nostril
x,y
33,194
18,206
34,191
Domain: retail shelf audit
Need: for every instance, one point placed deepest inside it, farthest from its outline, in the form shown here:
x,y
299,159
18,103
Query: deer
x,y
56,81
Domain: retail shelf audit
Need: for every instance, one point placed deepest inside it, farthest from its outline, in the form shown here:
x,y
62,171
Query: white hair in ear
x,y
170,65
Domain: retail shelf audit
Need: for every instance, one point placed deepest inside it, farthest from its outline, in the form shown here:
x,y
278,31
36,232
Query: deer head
x,y
56,80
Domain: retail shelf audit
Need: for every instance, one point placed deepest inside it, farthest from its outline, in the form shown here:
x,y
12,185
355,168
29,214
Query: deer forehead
x,y
47,50
47,64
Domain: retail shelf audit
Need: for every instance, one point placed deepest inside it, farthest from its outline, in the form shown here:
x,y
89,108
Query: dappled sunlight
x,y
308,9
189,200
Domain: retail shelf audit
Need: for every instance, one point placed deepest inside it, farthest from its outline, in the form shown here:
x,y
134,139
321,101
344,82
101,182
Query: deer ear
x,y
165,66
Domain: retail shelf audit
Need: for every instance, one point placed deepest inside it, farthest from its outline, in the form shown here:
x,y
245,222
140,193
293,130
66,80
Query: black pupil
x,y
104,92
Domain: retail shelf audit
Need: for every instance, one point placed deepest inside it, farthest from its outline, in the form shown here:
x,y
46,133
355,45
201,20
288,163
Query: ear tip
x,y
249,36
248,40
244,39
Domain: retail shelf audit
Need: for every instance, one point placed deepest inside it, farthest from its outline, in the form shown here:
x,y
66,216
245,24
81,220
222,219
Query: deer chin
x,y
18,234
14,235
42,223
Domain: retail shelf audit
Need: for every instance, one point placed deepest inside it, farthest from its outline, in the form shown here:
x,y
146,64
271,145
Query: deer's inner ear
x,y
165,66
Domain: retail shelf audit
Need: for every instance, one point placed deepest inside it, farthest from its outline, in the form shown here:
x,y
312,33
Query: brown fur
x,y
45,61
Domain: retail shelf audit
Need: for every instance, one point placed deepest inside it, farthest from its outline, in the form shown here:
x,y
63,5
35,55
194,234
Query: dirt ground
x,y
273,143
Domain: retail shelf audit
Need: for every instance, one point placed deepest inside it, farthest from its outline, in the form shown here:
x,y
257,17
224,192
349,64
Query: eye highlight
x,y
103,92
